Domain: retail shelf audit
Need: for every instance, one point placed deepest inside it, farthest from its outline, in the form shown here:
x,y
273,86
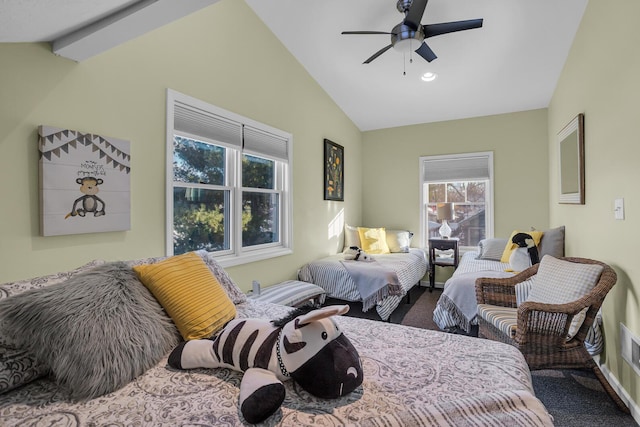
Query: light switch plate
x,y
618,208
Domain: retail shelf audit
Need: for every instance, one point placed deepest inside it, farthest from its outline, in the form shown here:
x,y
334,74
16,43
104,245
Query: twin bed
x,y
437,379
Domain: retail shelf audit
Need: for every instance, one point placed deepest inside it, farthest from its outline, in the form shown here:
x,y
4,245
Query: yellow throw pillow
x,y
373,240
510,247
191,295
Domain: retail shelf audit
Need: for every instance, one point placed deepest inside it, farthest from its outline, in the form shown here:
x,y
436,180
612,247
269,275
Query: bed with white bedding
x,y
330,274
437,379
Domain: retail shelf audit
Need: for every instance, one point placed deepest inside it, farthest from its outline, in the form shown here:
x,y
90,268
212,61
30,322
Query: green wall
x,y
391,170
600,79
122,93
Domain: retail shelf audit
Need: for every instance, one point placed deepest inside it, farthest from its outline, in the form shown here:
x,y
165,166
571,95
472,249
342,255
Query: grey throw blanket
x,y
374,281
459,296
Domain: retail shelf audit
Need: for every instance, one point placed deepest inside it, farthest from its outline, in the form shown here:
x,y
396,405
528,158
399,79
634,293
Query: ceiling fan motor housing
x,y
405,38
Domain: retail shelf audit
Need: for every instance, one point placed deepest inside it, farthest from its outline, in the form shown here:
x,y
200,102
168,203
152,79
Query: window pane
x,y
200,219
260,218
198,162
257,172
469,204
437,193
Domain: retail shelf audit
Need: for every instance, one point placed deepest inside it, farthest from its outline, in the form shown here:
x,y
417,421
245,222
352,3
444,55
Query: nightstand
x,y
438,259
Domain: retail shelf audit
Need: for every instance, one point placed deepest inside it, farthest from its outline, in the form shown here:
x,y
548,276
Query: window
x,y
466,180
228,183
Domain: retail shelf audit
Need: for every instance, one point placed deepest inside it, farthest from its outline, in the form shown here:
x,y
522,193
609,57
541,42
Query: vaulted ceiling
x,y
510,64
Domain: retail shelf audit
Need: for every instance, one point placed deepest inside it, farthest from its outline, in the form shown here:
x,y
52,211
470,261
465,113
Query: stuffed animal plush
x,y
356,254
306,346
524,240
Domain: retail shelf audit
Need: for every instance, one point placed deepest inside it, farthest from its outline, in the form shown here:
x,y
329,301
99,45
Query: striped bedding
x,y
449,313
330,274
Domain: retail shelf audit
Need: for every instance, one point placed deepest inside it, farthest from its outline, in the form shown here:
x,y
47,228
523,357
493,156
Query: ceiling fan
x,y
410,32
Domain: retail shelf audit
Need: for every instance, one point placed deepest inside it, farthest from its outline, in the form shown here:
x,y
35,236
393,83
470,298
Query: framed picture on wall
x,y
84,182
333,171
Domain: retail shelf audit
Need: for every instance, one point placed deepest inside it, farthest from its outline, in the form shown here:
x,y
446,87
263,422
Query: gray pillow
x,y
492,249
96,332
552,243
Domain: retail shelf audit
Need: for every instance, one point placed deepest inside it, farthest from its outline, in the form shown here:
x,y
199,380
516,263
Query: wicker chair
x,y
542,329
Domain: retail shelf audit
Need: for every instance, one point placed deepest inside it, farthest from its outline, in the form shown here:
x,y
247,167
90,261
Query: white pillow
x,y
559,281
399,241
351,237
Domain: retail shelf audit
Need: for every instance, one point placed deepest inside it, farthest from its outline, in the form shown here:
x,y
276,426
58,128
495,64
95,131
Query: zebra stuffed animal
x,y
306,346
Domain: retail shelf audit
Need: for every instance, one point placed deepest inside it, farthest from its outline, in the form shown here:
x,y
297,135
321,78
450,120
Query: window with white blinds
x,y
465,181
228,183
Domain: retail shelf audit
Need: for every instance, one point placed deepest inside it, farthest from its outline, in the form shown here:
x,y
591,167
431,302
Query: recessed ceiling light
x,y
429,76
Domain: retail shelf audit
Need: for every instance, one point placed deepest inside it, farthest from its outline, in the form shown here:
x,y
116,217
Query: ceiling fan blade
x,y
414,15
431,30
365,32
426,52
378,53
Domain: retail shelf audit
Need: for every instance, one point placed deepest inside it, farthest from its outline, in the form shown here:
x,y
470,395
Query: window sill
x,y
230,261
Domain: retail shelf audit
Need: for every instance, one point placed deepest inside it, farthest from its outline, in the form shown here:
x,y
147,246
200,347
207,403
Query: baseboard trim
x,y
617,387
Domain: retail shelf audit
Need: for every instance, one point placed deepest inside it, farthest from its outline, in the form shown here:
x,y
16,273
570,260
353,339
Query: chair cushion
x,y
559,282
503,318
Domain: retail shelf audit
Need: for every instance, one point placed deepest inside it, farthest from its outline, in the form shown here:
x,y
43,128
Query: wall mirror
x,y
571,161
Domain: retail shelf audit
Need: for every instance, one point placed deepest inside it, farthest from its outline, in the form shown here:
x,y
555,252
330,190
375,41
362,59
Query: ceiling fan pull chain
x,y
404,64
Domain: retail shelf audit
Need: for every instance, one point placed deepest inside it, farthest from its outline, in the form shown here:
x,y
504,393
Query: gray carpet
x,y
574,398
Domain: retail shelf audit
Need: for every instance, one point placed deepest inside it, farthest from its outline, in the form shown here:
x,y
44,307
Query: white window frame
x,y
489,209
283,182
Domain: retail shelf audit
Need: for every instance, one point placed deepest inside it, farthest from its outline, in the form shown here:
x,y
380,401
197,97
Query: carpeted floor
x,y
574,398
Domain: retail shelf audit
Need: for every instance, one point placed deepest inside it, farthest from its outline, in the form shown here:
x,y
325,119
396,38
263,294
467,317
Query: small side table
x,y
434,260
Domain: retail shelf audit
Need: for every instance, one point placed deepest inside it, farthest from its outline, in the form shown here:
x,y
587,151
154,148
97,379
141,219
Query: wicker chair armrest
x,y
542,325
501,291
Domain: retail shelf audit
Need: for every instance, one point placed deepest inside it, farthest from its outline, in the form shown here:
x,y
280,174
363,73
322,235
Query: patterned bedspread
x,y
437,379
330,274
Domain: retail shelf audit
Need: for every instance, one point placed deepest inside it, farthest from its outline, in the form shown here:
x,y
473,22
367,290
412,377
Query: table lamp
x,y
444,212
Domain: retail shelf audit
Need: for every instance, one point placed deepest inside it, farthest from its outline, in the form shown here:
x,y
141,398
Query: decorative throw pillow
x,y
559,282
520,259
351,237
14,288
552,242
18,367
96,332
236,295
398,241
491,249
233,291
373,240
510,246
190,293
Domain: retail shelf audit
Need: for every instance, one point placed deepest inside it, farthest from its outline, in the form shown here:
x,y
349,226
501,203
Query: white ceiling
x,y
511,64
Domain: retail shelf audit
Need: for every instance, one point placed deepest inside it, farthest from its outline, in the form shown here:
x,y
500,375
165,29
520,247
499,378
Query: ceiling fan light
x,y
407,45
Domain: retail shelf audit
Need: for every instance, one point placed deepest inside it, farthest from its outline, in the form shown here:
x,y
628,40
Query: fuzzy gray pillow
x,y
96,332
